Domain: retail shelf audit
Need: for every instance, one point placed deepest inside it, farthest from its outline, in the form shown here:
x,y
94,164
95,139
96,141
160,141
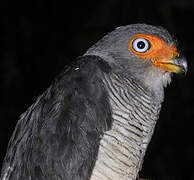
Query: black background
x,y
39,37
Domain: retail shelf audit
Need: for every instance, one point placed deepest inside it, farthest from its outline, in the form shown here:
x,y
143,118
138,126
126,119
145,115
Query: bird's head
x,y
145,52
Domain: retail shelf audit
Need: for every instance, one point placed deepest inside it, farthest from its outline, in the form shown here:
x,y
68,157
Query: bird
x,y
96,119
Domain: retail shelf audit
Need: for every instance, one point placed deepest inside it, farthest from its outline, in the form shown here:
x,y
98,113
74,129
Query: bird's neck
x,y
123,147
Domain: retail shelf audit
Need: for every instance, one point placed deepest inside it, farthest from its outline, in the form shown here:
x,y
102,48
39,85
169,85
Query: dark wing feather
x,y
58,137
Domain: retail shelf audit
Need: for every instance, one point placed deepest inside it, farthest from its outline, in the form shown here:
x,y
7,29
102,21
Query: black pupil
x,y
141,45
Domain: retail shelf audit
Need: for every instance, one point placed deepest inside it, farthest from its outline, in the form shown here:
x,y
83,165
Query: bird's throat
x,y
122,148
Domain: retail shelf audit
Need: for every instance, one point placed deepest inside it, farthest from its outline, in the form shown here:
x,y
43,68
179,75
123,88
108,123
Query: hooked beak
x,y
179,64
176,65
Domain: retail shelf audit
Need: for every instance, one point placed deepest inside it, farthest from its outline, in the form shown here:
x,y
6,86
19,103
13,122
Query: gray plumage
x,y
136,91
97,118
113,49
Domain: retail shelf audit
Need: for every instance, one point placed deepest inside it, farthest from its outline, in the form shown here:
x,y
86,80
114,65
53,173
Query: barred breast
x,y
122,148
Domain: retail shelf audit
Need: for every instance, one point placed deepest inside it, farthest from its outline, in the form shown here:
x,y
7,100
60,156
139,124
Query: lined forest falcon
x,y
96,119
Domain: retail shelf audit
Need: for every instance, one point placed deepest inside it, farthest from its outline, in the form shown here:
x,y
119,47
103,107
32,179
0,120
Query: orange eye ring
x,y
158,48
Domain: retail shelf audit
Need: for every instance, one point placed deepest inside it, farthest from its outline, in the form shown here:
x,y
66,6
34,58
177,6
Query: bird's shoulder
x,y
61,130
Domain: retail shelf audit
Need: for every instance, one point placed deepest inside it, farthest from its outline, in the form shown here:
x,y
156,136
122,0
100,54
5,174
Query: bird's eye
x,y
141,45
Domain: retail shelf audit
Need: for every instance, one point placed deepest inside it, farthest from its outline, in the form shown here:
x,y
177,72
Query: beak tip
x,y
182,63
184,66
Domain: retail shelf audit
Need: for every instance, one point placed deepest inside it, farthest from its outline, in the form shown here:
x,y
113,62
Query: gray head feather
x,y
113,48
